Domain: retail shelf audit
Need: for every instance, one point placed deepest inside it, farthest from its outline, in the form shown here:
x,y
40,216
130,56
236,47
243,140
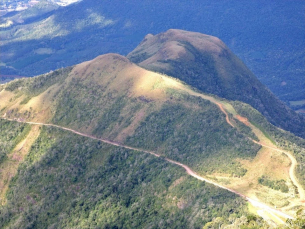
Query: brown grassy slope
x,y
207,64
111,97
78,97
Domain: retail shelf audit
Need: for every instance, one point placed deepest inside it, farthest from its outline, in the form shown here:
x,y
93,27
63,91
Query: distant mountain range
x,y
105,143
7,6
267,35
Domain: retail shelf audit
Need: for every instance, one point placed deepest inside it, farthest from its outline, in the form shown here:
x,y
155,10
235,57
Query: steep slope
x,y
207,64
268,36
112,98
65,180
69,181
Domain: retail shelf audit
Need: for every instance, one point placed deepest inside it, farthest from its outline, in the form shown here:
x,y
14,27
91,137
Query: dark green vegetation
x,y
299,222
184,128
100,107
208,65
196,137
10,135
67,181
274,184
199,138
36,85
267,35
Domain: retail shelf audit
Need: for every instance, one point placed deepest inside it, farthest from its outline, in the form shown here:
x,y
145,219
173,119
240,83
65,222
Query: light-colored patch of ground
x,y
129,131
37,108
41,105
122,76
11,101
6,24
243,120
170,50
267,162
177,182
144,85
8,169
272,219
5,96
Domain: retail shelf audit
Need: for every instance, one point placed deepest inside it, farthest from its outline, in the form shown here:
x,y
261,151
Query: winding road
x,y
188,169
262,207
291,169
289,155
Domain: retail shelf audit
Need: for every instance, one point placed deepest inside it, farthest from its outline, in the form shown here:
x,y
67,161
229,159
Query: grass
x,y
61,177
112,98
15,154
264,133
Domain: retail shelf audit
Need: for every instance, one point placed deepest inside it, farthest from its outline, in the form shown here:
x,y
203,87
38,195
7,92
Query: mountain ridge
x,y
207,64
112,98
275,54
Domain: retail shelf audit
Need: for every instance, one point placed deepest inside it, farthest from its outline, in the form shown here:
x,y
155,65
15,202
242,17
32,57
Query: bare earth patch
x,y
9,168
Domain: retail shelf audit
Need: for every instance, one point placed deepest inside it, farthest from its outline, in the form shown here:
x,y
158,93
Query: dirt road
x,y
188,170
292,159
291,169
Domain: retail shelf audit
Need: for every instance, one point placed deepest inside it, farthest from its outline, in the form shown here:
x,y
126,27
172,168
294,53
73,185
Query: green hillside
x,y
282,138
207,64
54,178
268,36
155,116
67,181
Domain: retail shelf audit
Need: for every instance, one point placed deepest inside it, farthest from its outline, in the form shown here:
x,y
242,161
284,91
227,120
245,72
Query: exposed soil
x,y
256,203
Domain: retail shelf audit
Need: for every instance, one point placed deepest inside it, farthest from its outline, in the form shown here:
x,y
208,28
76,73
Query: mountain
x,y
207,64
267,35
8,6
102,143
29,12
113,98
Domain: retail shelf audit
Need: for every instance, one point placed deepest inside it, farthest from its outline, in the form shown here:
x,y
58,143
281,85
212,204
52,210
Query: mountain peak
x,y
123,76
172,45
107,62
206,63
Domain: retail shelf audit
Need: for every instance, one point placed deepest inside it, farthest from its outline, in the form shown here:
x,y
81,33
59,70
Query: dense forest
x,y
71,181
63,180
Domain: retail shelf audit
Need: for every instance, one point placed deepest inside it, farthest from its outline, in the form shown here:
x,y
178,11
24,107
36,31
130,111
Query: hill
x,y
207,64
123,112
68,181
268,36
113,98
